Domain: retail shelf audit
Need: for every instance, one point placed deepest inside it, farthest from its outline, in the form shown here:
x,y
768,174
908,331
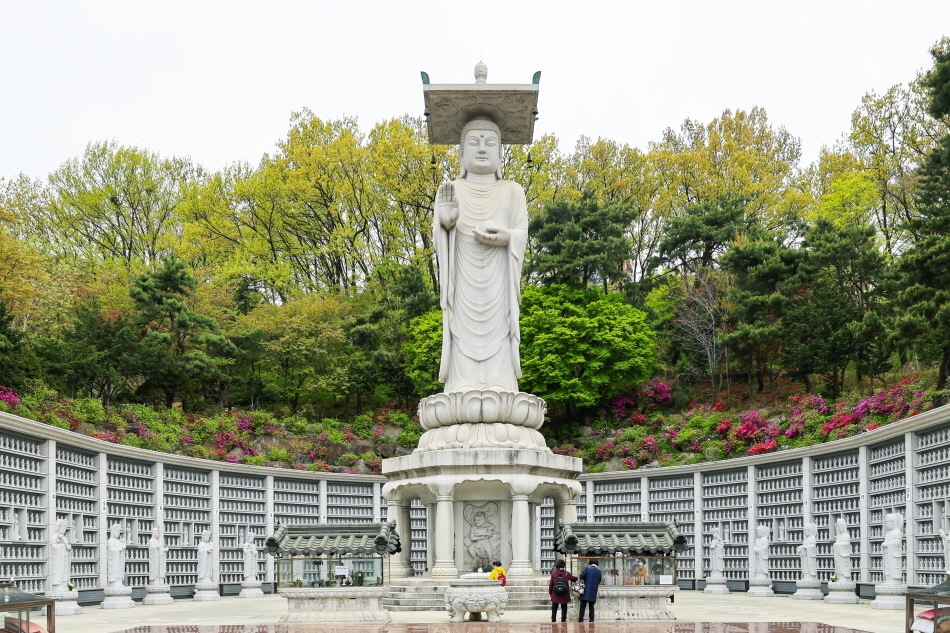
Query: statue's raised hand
x,y
447,205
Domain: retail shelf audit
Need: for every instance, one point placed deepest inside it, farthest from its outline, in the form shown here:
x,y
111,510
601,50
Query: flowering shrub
x,y
763,447
657,392
9,398
890,405
565,449
751,426
108,436
840,423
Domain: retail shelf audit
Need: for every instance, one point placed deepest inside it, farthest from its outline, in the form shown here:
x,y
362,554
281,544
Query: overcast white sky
x,y
217,81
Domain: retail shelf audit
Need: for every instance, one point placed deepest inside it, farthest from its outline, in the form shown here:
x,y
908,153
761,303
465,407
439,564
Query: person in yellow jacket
x,y
499,573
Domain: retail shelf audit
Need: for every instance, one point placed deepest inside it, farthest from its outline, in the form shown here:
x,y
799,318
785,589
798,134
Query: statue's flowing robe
x,y
762,557
842,552
892,555
717,552
250,561
480,289
810,558
154,549
58,562
204,561
115,560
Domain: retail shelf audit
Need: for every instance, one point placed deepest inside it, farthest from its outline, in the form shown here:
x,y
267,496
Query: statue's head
x,y
480,147
840,526
763,531
61,526
115,531
479,518
206,535
811,529
715,532
894,521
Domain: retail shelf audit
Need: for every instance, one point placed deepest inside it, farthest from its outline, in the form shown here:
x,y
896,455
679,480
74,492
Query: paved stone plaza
x,y
690,607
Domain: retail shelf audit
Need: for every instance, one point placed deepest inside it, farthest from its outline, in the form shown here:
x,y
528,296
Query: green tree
x,y
760,264
580,347
695,239
924,300
115,202
423,351
180,344
580,243
98,356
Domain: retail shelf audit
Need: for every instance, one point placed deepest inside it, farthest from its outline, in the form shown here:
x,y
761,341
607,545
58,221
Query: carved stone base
x,y
118,597
482,406
444,571
890,597
158,594
716,586
760,588
334,605
808,590
475,596
206,592
635,603
481,436
841,592
251,589
65,602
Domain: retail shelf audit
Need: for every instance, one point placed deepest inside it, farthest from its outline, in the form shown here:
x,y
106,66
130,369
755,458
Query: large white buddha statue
x,y
480,233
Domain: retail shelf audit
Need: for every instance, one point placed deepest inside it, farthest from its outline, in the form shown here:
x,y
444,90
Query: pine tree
x,y
924,301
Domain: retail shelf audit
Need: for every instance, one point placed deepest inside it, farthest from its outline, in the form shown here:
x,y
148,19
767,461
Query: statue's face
x,y
715,532
840,527
890,523
479,518
206,535
481,153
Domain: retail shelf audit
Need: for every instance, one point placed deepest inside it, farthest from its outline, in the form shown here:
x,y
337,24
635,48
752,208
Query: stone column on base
x,y
445,537
251,589
158,593
520,537
842,592
65,601
808,590
890,596
118,597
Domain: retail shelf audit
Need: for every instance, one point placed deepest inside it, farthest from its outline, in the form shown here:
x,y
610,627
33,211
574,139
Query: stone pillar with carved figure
x,y
400,563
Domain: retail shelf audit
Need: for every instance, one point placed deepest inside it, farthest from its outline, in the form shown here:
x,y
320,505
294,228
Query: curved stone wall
x,y
47,473
903,467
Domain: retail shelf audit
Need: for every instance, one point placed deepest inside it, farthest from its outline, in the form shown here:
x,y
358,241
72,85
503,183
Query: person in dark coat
x,y
565,598
591,577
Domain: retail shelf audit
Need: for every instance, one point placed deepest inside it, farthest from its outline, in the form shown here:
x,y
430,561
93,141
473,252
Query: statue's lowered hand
x,y
447,205
492,235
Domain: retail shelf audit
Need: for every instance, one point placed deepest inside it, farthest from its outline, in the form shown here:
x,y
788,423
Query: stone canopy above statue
x,y
608,539
334,539
512,107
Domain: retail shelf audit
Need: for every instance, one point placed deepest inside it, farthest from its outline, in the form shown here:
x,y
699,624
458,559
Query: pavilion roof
x,y
337,539
603,539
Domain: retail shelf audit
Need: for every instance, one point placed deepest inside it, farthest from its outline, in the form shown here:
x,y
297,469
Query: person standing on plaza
x,y
591,578
559,589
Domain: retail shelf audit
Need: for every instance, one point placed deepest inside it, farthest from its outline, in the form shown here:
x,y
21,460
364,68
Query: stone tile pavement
x,y
691,606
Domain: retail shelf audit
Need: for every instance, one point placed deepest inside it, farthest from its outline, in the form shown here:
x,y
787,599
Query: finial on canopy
x,y
481,72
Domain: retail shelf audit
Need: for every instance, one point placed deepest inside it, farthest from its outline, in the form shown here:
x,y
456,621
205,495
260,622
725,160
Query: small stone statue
x,y
59,555
250,557
205,557
16,526
808,551
761,550
115,556
945,537
842,551
892,549
890,594
157,558
717,554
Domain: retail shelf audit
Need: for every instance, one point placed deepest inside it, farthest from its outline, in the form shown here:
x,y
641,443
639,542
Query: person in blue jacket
x,y
591,577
